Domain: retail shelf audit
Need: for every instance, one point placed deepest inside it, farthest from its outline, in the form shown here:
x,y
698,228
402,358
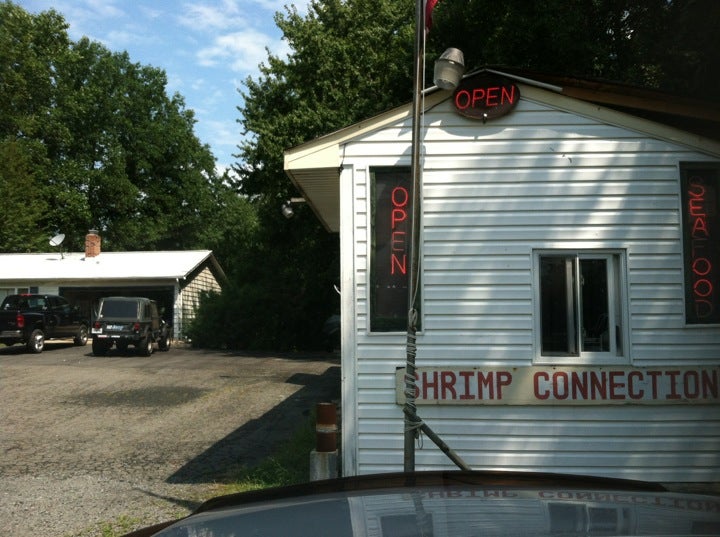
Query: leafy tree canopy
x,y
94,141
351,59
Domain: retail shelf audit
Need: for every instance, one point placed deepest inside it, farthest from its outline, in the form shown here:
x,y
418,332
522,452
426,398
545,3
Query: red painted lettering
x,y
485,382
710,384
598,385
466,376
544,393
579,385
654,375
631,385
504,378
616,385
428,385
691,384
448,385
673,384
560,385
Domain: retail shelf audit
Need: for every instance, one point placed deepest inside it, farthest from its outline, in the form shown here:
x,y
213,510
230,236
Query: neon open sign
x,y
391,228
486,97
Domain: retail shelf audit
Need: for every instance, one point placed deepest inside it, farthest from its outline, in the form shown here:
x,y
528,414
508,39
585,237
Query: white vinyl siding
x,y
188,301
538,179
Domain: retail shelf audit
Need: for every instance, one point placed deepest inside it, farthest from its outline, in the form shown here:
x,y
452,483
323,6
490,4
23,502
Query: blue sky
x,y
206,47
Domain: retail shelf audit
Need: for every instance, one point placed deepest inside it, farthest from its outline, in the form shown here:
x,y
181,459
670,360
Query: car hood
x,y
453,504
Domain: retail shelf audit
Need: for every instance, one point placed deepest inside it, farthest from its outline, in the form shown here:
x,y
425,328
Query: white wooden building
x,y
175,279
569,279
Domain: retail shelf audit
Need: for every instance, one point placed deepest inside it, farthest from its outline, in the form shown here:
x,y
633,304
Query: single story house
x,y
175,279
569,277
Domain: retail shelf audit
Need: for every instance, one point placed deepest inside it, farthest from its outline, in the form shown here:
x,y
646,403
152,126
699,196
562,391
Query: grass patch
x,y
289,465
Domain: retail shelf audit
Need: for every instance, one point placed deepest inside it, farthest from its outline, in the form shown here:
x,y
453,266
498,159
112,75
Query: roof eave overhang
x,y
314,167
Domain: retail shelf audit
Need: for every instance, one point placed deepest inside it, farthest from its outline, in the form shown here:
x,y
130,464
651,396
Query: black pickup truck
x,y
31,319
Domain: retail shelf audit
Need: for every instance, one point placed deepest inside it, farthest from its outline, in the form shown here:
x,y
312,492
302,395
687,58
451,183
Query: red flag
x,y
429,6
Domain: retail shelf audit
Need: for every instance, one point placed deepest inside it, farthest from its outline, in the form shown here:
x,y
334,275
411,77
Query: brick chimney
x,y
92,244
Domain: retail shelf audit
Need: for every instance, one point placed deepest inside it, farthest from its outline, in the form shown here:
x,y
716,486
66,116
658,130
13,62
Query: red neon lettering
x,y
492,96
397,241
398,264
465,95
696,207
478,94
701,266
699,226
703,308
397,215
508,96
485,97
702,288
696,190
399,196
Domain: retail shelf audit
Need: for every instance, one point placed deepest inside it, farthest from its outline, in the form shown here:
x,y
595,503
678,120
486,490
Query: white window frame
x,y
618,312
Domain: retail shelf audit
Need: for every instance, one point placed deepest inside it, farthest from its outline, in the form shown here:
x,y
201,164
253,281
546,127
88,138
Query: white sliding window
x,y
580,307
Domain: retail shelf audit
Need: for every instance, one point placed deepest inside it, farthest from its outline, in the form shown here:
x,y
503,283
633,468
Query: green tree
x,y
97,143
21,202
351,59
670,45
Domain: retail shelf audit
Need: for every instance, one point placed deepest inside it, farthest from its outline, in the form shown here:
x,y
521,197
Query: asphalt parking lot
x,y
86,439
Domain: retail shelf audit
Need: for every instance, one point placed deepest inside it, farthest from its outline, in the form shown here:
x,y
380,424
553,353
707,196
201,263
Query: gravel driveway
x,y
86,439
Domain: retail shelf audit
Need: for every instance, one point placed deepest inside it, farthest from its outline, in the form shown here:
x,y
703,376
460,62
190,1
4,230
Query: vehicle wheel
x,y
145,346
99,348
36,342
81,337
164,343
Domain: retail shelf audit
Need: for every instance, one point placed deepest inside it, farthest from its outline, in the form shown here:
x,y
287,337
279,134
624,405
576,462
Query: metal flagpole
x,y
413,424
411,421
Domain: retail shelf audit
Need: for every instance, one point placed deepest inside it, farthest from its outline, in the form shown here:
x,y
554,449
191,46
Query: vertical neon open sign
x,y
390,255
701,242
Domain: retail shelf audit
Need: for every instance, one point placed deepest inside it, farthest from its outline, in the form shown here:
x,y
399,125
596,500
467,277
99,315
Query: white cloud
x,y
240,51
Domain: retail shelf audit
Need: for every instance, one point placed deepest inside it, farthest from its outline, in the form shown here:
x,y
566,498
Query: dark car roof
x,y
454,503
